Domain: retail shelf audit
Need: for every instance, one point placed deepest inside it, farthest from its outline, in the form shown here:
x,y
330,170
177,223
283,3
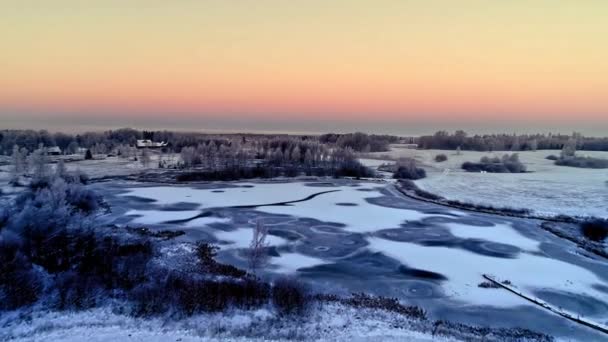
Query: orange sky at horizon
x,y
345,60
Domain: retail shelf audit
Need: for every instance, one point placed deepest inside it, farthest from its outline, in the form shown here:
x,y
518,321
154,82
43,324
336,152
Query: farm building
x,y
147,143
53,151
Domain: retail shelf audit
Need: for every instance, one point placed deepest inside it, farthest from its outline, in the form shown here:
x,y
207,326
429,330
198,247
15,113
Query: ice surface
x,y
291,262
322,207
500,233
464,271
241,238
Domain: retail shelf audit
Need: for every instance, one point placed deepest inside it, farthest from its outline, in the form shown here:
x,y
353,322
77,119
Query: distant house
x,y
411,146
53,151
147,143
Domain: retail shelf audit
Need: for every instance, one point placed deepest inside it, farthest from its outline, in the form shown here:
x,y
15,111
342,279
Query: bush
x,y
441,158
19,284
407,184
595,230
290,296
206,255
583,162
552,157
362,300
406,168
506,164
352,168
488,285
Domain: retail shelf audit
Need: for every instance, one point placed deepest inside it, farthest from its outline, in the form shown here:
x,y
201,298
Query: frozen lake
x,y
345,236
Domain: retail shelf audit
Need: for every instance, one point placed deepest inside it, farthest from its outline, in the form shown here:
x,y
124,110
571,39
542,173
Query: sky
x,y
386,66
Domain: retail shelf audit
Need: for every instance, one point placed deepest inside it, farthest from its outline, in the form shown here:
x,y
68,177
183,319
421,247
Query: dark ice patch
x,y
574,302
180,206
346,204
138,199
422,274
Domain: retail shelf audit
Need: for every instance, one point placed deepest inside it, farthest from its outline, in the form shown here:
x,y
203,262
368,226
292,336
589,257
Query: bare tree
x,y
257,253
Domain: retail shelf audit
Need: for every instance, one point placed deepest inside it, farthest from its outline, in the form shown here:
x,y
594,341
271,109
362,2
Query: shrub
x,y
407,184
406,168
88,155
552,157
19,284
206,255
290,296
583,162
441,158
506,164
352,168
595,230
488,285
362,300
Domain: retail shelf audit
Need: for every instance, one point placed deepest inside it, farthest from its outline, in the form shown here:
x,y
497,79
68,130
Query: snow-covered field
x,y
340,223
548,189
329,323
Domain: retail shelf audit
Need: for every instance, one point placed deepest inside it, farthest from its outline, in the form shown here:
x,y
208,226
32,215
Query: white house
x,y
147,143
53,151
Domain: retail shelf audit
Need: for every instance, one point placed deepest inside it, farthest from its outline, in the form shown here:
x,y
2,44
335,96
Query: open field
x,y
547,189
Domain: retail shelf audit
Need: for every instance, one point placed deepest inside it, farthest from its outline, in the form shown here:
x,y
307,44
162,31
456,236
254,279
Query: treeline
x,y
105,142
509,142
360,142
267,158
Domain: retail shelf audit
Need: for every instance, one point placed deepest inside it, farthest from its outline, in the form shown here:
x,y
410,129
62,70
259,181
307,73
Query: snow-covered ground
x,y
327,323
548,189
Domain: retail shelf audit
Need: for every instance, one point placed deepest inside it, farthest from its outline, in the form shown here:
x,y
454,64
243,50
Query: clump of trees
x,y
583,162
568,157
266,158
508,163
407,168
360,142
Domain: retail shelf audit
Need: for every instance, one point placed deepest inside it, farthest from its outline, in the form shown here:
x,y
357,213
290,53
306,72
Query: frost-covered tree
x,y
534,145
188,156
60,169
39,164
569,149
145,157
19,164
72,148
257,254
